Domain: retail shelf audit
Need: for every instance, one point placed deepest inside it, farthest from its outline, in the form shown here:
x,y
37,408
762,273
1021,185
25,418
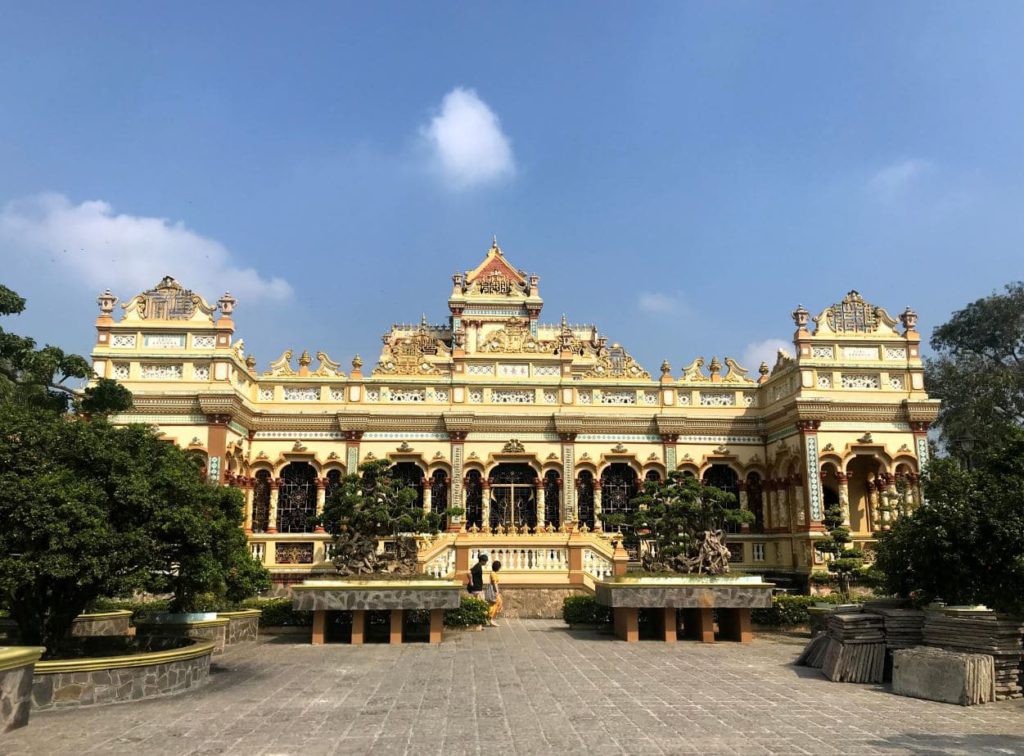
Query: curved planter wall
x,y
243,625
87,682
16,685
215,630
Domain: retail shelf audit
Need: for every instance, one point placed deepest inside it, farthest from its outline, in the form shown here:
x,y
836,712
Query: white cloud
x,y
764,351
892,180
467,141
91,244
657,303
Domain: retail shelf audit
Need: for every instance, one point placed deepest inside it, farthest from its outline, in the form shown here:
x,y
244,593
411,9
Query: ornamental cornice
x,y
921,411
458,422
569,423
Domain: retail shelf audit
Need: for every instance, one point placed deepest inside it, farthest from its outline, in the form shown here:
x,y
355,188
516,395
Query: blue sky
x,y
681,174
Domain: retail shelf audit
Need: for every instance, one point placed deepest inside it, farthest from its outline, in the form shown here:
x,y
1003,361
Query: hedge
x,y
584,610
141,610
471,612
790,610
278,612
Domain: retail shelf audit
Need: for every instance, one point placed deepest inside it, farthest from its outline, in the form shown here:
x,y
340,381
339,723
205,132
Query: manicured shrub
x,y
789,611
141,610
584,610
278,612
471,612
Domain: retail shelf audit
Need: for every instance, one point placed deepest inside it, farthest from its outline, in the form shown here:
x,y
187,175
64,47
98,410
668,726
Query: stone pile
x,y
856,648
813,654
904,628
947,676
982,632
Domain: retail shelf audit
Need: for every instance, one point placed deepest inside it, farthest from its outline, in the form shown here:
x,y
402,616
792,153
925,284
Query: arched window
x,y
474,499
585,498
439,495
755,501
552,499
296,502
513,496
261,502
333,481
653,475
618,487
724,478
410,475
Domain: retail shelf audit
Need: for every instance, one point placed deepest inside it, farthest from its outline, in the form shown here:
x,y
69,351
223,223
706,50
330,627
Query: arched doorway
x,y
725,479
513,496
410,475
585,498
439,496
261,501
474,499
552,499
618,488
296,503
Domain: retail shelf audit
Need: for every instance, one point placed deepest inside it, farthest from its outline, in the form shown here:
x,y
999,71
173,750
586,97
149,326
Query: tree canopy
x,y
966,545
978,370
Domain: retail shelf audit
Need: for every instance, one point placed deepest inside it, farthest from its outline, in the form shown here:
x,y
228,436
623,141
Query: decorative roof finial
x,y
715,367
494,243
665,367
800,317
357,362
909,319
763,370
106,301
227,304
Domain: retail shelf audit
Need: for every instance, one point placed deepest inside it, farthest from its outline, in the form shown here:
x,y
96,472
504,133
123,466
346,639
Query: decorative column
x,y
247,486
889,512
809,439
844,496
873,487
485,505
427,495
352,439
570,517
744,503
321,499
275,492
799,503
457,442
598,527
920,430
538,487
785,501
913,490
768,504
668,442
216,446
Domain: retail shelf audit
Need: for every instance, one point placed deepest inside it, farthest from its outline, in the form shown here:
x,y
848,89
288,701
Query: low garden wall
x,y
535,603
16,666
94,681
117,622
213,630
243,625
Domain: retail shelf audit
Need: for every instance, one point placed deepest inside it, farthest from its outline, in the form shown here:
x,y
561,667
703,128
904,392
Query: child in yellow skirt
x,y
493,595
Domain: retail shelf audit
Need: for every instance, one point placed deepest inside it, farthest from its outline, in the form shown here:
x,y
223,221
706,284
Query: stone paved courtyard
x,y
530,686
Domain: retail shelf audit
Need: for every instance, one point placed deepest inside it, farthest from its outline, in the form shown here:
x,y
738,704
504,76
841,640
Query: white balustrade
x,y
596,564
525,559
259,551
441,566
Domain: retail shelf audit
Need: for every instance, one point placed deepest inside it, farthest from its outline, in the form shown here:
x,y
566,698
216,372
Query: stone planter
x,y
243,625
117,622
116,679
214,630
16,666
361,596
699,596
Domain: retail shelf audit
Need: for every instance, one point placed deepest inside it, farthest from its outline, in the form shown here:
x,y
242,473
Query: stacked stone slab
x,y
947,676
981,632
904,628
856,649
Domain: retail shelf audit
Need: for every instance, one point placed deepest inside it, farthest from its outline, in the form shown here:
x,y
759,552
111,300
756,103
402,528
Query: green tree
x,y
966,545
978,370
844,562
367,507
682,519
47,377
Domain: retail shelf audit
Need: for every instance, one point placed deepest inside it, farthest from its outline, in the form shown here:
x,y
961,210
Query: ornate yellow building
x,y
535,430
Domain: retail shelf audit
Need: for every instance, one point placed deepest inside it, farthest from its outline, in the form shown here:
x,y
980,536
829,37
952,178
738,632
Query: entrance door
x,y
513,497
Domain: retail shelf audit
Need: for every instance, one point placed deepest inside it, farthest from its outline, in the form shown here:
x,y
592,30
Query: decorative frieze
x,y
586,396
273,435
407,395
618,397
650,398
337,394
551,397
512,396
717,399
514,371
822,352
476,395
480,369
860,381
162,371
441,395
301,394
895,353
824,380
372,395
860,353
896,382
122,370
164,341
204,341
123,340
266,394
201,372
547,371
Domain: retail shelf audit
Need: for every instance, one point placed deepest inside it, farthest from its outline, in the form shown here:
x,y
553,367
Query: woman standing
x,y
493,594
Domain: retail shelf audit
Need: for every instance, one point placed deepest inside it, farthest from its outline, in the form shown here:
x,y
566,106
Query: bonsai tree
x,y
368,507
843,562
682,522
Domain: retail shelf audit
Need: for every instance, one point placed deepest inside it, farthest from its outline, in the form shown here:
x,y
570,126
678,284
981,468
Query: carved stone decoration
x,y
735,373
106,301
552,457
615,362
707,556
909,320
250,362
619,448
801,317
298,446
828,448
404,447
333,455
513,447
865,439
721,450
195,441
227,304
514,338
692,373
408,351
168,300
327,366
261,455
282,365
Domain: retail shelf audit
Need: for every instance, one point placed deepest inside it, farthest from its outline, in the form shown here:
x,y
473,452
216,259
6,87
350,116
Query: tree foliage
x,y
680,517
966,545
978,370
371,505
844,562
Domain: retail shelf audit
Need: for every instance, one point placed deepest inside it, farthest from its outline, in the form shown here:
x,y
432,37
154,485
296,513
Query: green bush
x,y
584,610
278,612
789,610
471,612
141,610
